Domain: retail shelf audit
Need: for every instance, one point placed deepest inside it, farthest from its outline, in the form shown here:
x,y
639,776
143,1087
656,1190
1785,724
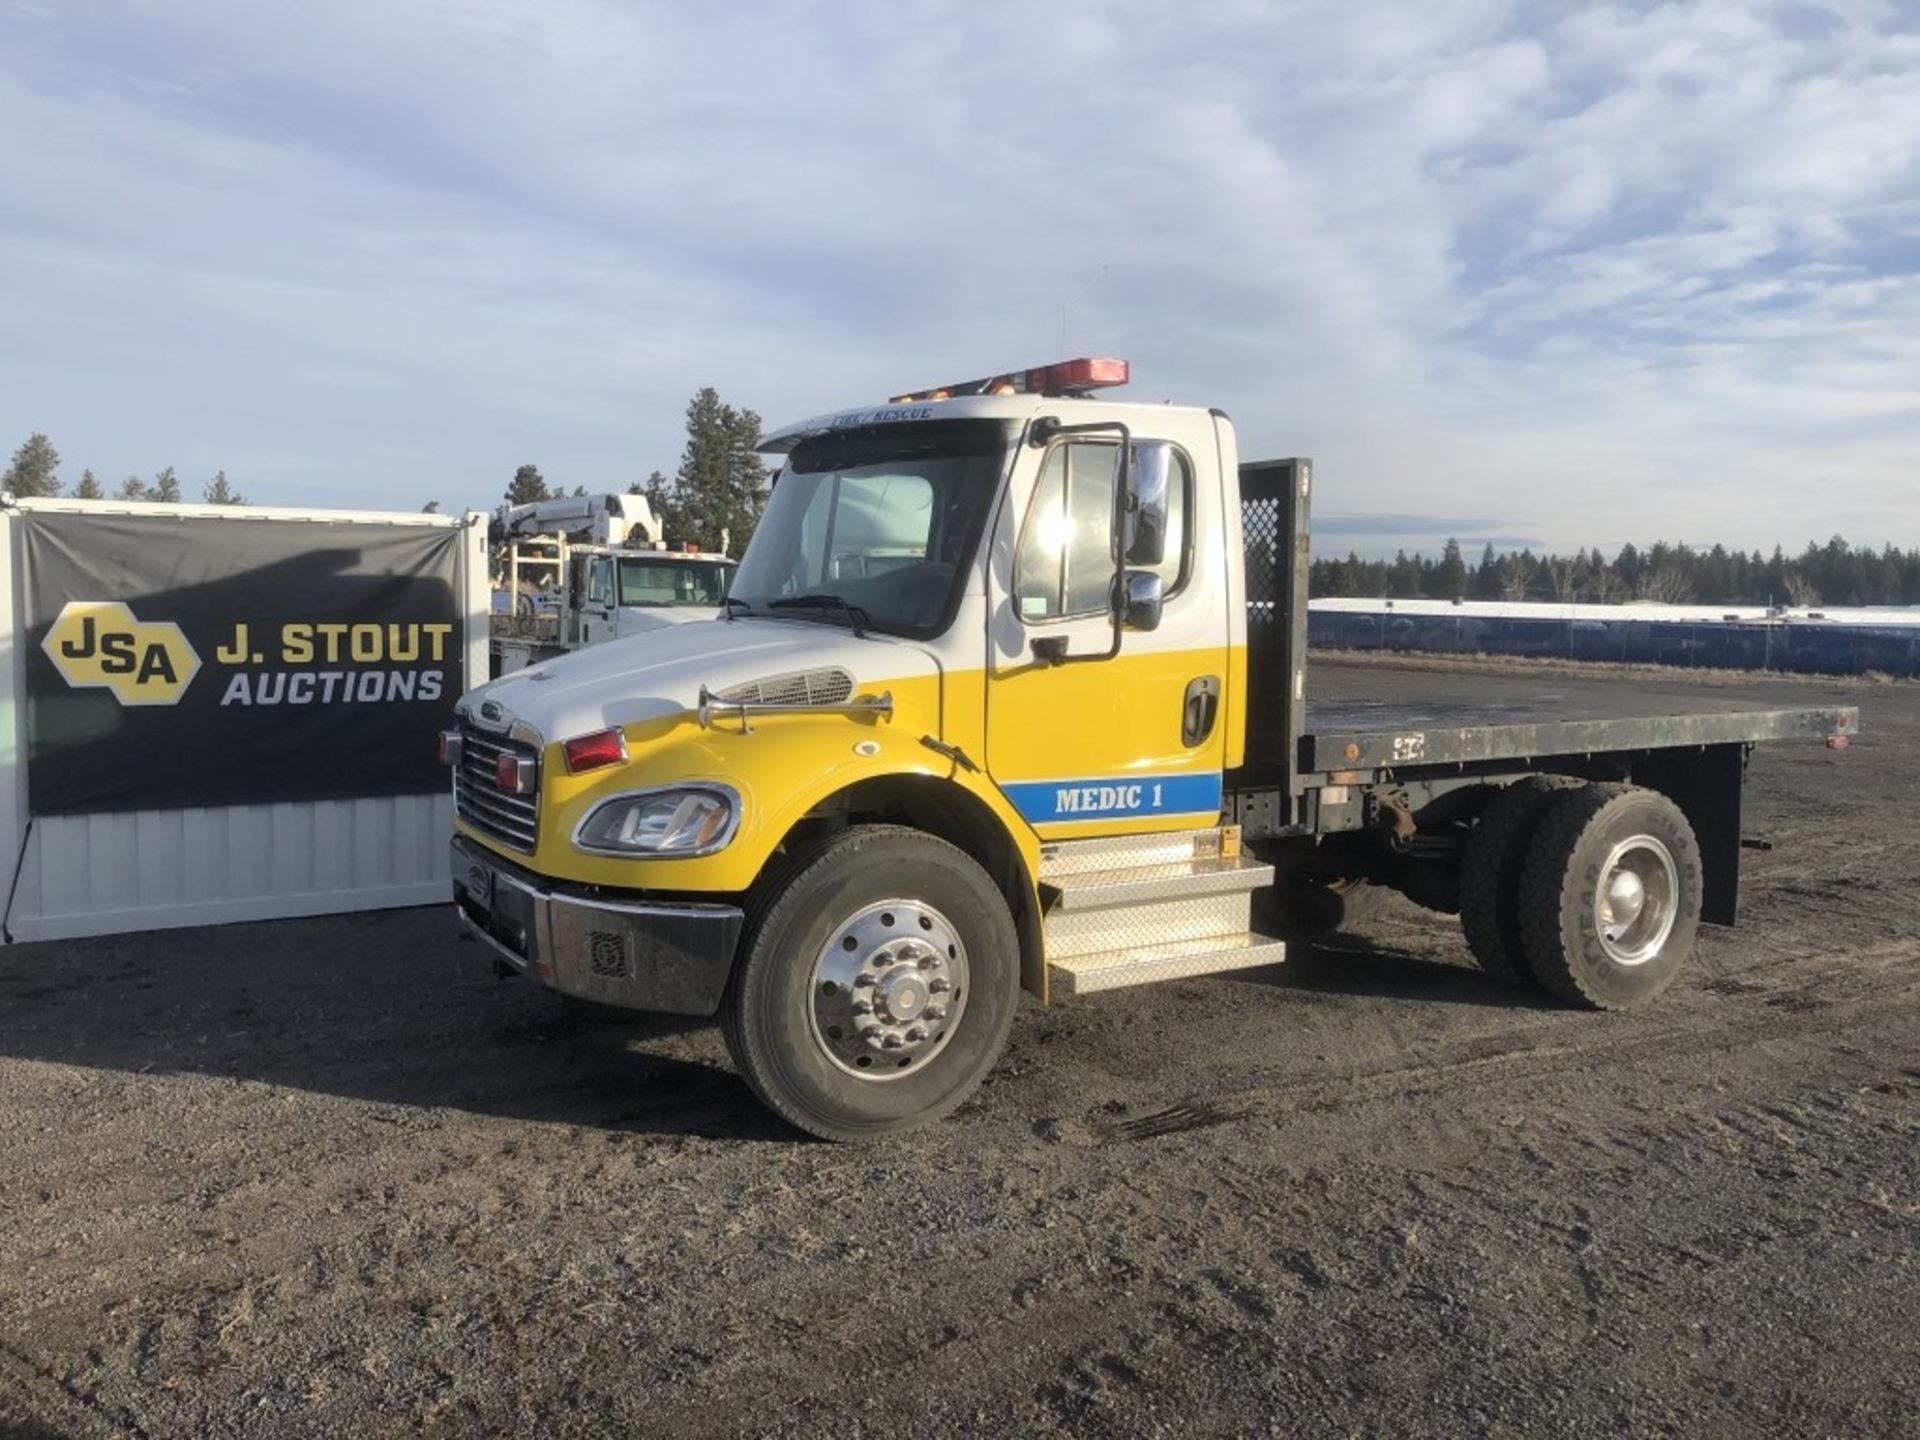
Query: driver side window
x,y
600,582
1063,566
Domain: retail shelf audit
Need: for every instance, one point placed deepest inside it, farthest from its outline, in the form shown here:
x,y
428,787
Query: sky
x,y
1513,272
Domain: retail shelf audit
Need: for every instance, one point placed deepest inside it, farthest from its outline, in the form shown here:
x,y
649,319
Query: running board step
x,y
1146,964
1062,858
1146,884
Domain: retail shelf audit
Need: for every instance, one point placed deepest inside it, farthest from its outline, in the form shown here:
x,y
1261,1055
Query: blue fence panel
x,y
1801,647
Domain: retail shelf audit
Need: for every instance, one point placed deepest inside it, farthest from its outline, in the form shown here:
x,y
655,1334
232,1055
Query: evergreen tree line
x,y
35,472
714,499
1835,573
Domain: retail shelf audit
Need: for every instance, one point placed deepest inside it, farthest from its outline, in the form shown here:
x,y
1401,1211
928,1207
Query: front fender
x,y
784,768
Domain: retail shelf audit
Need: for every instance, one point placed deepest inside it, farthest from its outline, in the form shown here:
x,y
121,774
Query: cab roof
x,y
1019,409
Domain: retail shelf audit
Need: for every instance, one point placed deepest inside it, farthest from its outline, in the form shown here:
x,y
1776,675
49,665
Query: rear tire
x,y
1610,896
1295,908
1490,870
879,976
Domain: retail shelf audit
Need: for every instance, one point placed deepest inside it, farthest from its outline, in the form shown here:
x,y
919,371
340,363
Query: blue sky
x,y
1574,273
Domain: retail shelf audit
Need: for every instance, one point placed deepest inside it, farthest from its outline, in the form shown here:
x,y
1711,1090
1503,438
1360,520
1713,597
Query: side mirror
x,y
1145,540
1142,600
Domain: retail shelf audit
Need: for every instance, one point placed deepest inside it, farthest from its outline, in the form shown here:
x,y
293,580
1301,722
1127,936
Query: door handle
x,y
1199,710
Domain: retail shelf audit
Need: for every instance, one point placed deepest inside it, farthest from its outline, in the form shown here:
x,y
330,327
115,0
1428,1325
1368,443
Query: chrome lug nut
x,y
862,1007
863,980
939,987
916,1035
892,1042
936,1012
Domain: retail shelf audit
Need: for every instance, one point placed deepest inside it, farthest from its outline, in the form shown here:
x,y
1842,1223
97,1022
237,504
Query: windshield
x,y
673,582
884,520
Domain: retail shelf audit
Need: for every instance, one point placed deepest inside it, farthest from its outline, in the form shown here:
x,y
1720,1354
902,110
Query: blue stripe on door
x,y
1115,797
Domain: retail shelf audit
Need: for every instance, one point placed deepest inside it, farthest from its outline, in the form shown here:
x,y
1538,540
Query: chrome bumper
x,y
636,954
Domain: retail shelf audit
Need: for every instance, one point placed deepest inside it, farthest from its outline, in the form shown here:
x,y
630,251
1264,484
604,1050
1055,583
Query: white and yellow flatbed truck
x,y
1010,693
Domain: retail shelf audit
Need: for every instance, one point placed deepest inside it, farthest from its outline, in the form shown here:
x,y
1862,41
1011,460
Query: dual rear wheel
x,y
1590,890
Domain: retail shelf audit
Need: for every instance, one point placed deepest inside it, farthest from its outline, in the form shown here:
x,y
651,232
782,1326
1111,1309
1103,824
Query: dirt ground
x,y
331,1177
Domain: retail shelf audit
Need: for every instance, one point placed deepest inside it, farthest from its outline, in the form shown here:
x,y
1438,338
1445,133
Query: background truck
x,y
1011,692
579,569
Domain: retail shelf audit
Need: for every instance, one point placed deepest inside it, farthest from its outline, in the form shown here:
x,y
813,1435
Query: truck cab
x,y
1008,693
582,570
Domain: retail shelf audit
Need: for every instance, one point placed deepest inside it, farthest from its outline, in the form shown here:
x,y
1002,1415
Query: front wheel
x,y
879,977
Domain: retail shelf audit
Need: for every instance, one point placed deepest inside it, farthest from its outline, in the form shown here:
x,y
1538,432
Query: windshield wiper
x,y
856,617
727,605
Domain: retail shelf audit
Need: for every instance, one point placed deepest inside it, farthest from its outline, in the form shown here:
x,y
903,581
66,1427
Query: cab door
x,y
1092,745
597,612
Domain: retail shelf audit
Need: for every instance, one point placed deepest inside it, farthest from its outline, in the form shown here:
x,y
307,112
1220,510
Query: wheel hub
x,y
1627,897
887,988
1638,899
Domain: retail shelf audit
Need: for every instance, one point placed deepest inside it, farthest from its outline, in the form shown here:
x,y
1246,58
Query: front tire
x,y
879,976
1610,896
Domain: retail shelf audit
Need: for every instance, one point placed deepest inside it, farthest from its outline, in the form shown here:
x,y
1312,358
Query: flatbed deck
x,y
1374,720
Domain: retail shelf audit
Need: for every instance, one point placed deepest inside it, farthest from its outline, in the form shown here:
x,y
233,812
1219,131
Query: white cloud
x,y
1618,272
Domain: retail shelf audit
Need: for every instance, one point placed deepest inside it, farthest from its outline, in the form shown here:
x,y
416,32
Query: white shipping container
x,y
96,874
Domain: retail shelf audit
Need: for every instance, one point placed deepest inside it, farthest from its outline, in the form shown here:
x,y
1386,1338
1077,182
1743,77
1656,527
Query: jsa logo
x,y
99,642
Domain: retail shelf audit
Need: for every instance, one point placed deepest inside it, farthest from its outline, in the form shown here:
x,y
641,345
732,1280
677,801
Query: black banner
x,y
176,661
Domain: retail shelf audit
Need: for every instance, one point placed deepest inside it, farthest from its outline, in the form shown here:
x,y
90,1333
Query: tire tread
x,y
1490,873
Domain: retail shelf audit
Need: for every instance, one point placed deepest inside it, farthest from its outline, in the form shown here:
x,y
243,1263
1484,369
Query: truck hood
x,y
658,674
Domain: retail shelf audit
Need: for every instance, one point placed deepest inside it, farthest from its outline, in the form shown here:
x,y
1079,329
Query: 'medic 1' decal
x,y
1116,797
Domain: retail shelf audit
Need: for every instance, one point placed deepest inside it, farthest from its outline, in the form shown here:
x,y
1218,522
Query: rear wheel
x,y
1490,869
1610,896
1297,908
879,978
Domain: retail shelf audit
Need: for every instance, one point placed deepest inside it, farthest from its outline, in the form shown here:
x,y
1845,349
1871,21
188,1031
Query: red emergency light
x,y
1063,377
595,751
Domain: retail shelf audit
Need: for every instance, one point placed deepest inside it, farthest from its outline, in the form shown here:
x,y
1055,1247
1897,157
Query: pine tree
x,y
527,486
219,492
1450,576
432,507
133,488
88,488
1486,579
747,480
720,488
32,470
166,487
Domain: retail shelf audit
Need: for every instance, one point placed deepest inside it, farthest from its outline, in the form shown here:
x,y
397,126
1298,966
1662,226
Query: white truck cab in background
x,y
581,569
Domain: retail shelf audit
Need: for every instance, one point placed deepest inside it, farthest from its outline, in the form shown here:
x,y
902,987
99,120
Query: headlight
x,y
677,822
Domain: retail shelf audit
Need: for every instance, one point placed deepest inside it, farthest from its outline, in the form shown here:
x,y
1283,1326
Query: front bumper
x,y
641,955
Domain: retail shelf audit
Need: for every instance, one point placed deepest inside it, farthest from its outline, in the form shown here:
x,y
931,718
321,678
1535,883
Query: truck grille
x,y
513,820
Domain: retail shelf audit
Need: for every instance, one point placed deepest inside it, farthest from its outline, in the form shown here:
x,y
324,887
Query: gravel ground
x,y
330,1177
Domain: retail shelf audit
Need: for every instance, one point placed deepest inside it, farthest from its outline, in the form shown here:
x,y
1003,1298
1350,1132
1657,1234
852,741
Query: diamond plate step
x,y
1145,884
1060,858
1082,932
1146,964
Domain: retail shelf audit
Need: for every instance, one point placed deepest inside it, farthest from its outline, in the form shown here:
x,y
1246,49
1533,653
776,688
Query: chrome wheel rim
x,y
1637,902
887,989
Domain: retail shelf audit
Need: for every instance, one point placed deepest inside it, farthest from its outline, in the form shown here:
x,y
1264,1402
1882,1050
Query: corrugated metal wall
x,y
156,869
97,874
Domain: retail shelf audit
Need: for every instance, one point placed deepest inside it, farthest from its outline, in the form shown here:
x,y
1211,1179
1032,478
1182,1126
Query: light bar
x,y
1063,377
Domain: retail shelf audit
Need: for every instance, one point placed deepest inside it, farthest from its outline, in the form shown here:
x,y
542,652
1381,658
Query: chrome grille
x,y
513,820
800,687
